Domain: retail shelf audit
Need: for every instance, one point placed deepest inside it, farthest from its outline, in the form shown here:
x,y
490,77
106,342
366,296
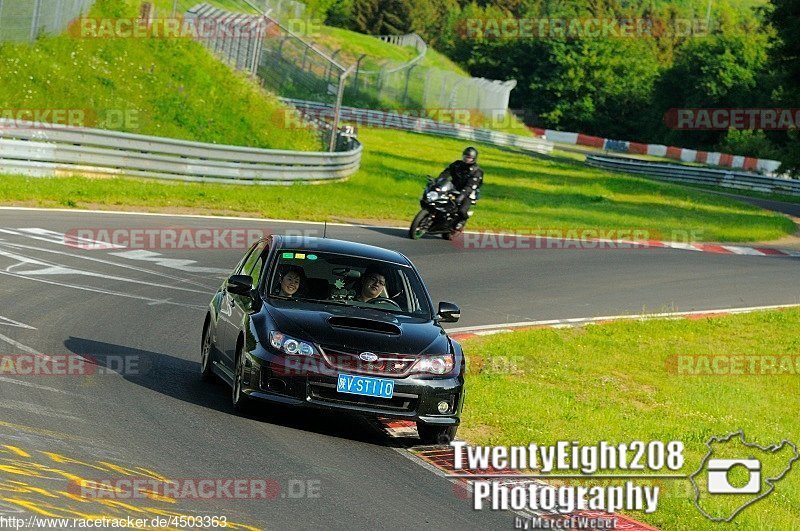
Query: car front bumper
x,y
313,383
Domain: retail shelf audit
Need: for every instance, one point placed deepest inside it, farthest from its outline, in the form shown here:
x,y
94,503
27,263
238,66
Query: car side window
x,y
255,263
239,269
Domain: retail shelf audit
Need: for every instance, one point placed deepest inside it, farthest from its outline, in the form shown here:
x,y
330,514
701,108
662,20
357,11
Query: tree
x,y
785,18
720,71
381,17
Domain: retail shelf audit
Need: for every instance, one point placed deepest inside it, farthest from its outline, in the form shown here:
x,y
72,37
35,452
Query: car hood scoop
x,y
366,325
357,330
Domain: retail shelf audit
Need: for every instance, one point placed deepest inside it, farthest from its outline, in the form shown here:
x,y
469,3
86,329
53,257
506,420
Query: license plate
x,y
365,386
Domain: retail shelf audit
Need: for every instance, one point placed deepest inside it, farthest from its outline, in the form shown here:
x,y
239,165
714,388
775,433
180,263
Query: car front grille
x,y
393,365
325,392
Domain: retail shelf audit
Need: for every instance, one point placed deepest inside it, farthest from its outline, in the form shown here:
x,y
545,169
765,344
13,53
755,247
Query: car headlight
x,y
432,196
438,364
290,345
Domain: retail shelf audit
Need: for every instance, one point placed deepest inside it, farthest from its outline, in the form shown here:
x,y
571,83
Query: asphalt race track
x,y
159,419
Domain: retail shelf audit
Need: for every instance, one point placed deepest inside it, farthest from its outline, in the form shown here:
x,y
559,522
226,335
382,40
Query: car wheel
x,y
436,434
206,374
241,402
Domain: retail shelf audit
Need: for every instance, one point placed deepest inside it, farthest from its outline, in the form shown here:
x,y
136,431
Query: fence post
x,y
358,70
337,110
405,89
37,13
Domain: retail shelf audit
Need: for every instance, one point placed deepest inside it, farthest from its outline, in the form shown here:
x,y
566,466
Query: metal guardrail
x,y
698,175
44,150
390,120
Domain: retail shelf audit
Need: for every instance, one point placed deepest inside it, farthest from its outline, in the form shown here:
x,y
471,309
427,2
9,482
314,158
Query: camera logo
x,y
736,473
718,482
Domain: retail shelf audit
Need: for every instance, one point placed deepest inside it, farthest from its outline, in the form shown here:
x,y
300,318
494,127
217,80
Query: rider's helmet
x,y
470,155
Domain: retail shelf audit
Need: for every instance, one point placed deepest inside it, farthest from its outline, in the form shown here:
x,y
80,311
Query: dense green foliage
x,y
685,54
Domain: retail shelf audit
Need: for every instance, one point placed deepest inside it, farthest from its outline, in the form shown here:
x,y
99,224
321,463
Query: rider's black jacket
x,y
466,177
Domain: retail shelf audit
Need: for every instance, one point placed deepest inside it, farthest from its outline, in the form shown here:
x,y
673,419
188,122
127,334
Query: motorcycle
x,y
439,213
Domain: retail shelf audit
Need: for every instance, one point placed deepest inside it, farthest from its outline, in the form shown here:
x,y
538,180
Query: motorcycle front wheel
x,y
421,224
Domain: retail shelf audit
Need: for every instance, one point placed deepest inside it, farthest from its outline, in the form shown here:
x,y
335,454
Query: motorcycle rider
x,y
467,177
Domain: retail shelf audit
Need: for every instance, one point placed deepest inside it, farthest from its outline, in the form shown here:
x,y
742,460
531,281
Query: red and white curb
x,y
485,330
723,249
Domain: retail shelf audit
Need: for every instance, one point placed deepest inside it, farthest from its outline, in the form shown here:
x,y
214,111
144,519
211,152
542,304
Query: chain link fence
x,y
292,67
412,85
26,20
282,61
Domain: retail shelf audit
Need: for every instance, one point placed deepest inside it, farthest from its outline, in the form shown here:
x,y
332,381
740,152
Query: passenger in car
x,y
290,282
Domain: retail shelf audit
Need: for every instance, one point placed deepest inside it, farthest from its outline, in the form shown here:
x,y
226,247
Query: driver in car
x,y
372,286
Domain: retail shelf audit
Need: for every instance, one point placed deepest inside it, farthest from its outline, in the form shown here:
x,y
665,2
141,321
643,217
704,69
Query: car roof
x,y
330,245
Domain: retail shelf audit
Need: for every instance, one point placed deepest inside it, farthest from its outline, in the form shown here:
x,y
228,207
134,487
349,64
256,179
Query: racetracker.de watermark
x,y
194,28
580,28
572,238
162,238
722,119
429,119
19,118
72,365
131,488
177,238
732,365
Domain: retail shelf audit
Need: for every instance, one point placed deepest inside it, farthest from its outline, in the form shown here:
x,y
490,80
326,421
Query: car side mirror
x,y
240,284
448,312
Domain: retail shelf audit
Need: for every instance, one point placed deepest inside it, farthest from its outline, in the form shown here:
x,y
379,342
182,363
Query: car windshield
x,y
332,278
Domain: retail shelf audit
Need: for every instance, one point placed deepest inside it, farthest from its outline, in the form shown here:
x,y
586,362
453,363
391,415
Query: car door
x,y
237,306
227,324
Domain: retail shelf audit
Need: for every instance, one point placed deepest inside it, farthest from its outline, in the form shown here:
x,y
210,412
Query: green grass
x,y
617,382
170,87
519,192
351,45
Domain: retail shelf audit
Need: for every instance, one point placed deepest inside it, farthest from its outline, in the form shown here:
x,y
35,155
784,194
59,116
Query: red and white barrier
x,y
766,166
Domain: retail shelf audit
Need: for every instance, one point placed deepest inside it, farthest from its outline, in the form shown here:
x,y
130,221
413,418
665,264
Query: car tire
x,y
206,354
241,402
436,434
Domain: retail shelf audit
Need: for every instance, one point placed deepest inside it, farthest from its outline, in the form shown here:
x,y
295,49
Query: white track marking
x,y
35,386
496,328
107,292
20,346
194,216
57,269
5,321
173,263
38,409
107,262
60,238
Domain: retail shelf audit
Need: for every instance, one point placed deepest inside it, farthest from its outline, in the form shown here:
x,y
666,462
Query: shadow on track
x,y
180,379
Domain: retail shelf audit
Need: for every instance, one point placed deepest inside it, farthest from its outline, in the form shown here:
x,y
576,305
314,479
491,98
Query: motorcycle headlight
x,y
290,345
432,196
438,364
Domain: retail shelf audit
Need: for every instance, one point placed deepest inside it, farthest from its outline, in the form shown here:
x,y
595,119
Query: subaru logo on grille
x,y
369,357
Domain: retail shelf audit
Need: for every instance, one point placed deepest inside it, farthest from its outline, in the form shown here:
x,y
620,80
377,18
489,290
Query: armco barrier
x,y
44,150
390,120
697,175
